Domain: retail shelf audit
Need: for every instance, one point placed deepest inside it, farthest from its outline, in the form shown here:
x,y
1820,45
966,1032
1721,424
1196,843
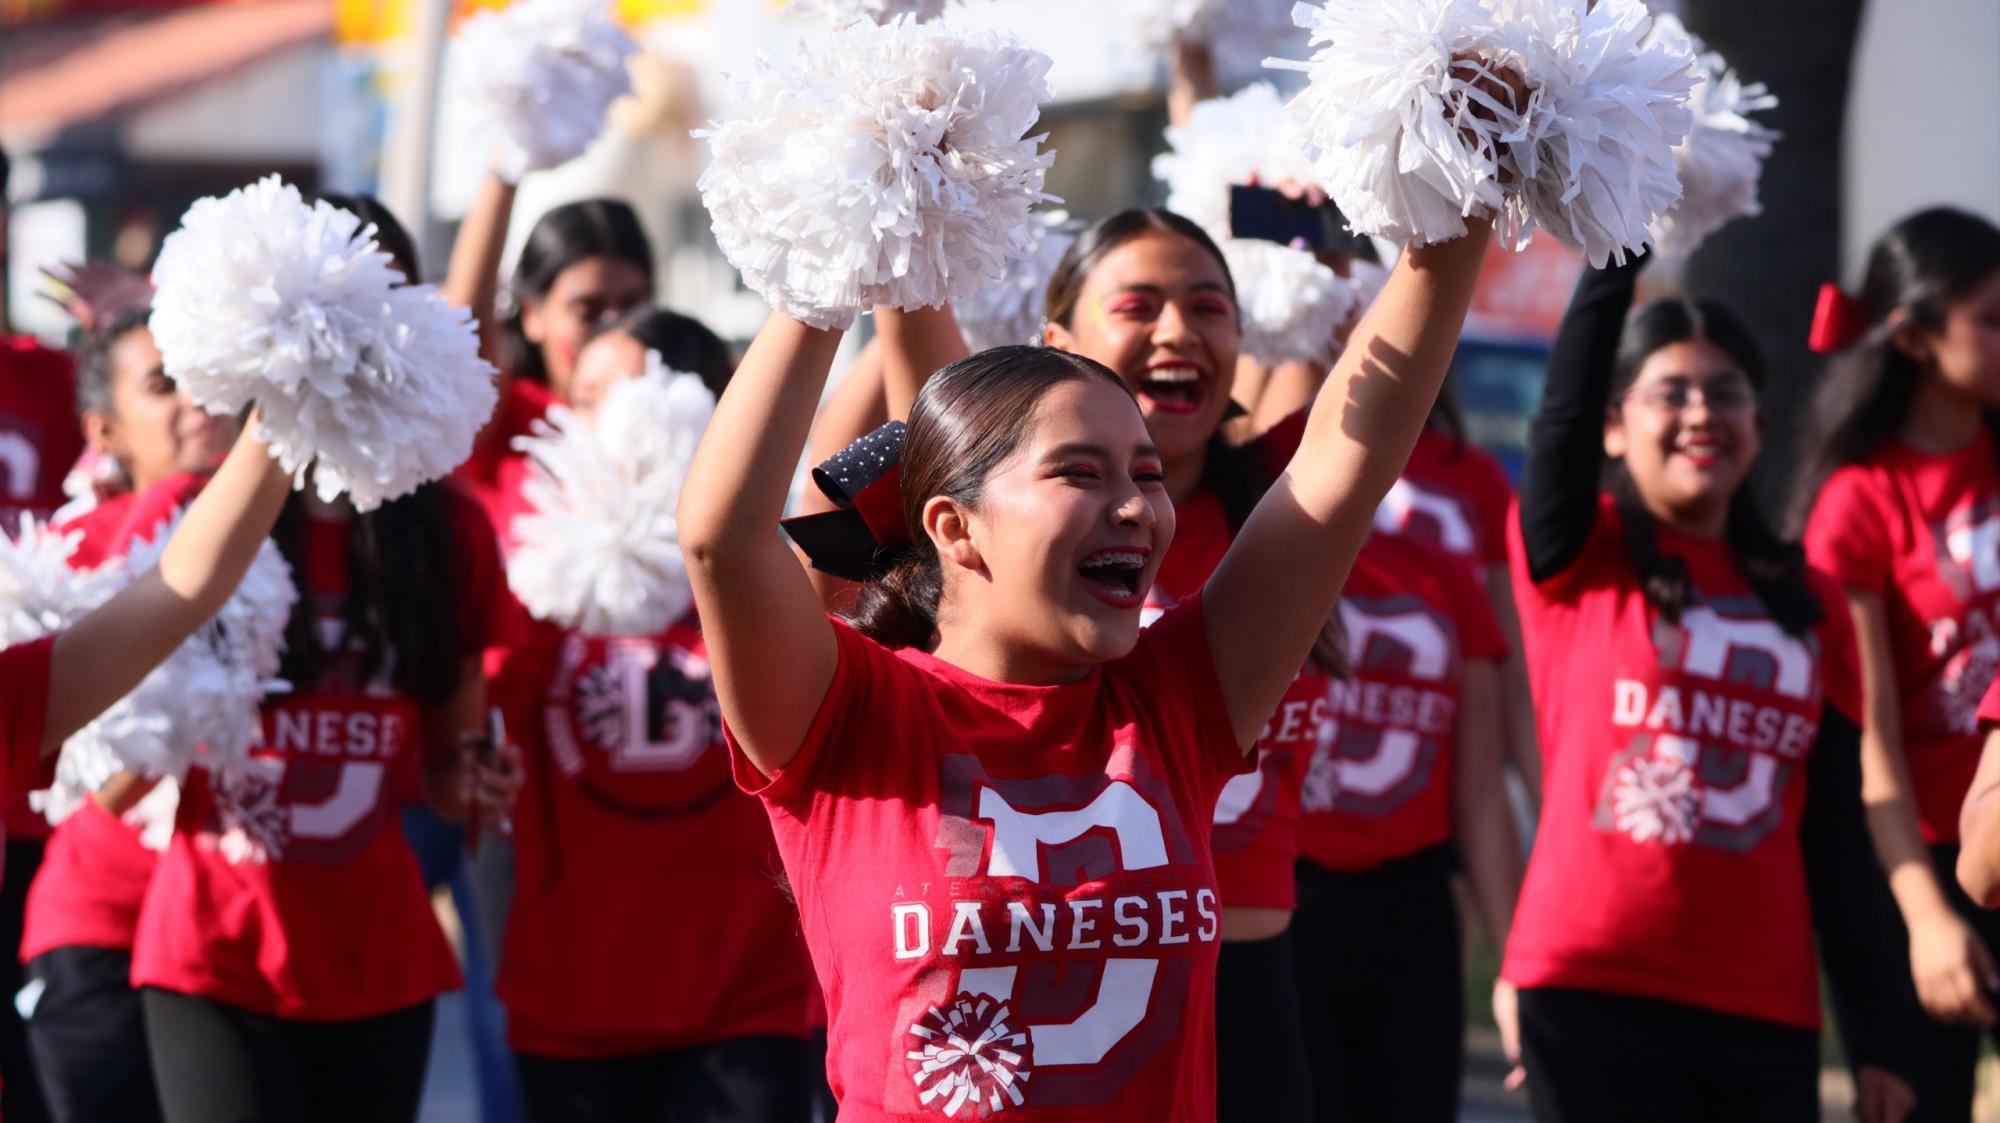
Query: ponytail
x,y
899,608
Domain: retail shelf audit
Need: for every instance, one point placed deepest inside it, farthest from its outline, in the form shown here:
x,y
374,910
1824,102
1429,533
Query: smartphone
x,y
1265,214
496,735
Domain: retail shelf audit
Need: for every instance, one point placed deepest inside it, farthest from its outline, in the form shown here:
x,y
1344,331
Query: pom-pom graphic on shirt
x,y
1723,156
966,1058
39,592
1593,155
527,86
1014,308
840,13
599,547
1226,142
883,166
374,385
1293,307
199,706
1656,799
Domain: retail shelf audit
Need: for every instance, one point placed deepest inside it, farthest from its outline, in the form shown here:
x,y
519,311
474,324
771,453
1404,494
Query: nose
x,y
1131,509
1170,326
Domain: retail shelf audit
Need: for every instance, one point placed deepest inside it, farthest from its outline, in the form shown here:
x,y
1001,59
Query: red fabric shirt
x,y
1667,862
1922,532
291,890
629,806
95,871
495,471
39,434
1024,868
24,707
1379,785
1453,496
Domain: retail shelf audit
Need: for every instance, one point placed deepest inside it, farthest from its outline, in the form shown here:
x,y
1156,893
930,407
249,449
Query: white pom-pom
x,y
1399,146
1236,32
39,592
886,166
1293,307
199,706
526,86
840,13
1723,156
374,385
1593,156
1013,308
1227,142
599,550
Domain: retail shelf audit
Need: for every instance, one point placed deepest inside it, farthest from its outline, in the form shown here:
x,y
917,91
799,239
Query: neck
x,y
1942,417
982,651
1184,473
1708,521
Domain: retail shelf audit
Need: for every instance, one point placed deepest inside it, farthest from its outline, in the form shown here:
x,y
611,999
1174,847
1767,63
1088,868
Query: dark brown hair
x,y
684,343
568,234
970,417
1107,234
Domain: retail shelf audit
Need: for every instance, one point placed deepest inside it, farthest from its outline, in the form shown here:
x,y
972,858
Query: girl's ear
x,y
1058,337
950,531
1914,342
1614,435
532,323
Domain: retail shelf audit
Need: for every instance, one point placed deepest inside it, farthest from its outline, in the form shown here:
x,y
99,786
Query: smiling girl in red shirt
x,y
1903,494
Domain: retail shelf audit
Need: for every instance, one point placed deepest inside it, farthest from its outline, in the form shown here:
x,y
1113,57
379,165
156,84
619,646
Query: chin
x,y
1102,642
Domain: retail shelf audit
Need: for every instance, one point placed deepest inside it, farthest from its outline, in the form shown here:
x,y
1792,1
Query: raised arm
x,y
915,345
473,279
770,645
101,657
1264,605
1979,829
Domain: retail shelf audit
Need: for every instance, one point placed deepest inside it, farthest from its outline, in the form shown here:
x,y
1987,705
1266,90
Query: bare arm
x,y
473,279
1517,706
1192,80
445,726
1289,387
1979,829
1263,607
769,642
915,345
1487,840
101,657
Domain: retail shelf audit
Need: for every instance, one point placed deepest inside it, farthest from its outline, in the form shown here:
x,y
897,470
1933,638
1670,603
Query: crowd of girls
x,y
1130,743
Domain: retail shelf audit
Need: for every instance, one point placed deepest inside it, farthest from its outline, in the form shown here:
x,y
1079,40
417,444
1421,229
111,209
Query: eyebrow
x,y
1100,452
1157,290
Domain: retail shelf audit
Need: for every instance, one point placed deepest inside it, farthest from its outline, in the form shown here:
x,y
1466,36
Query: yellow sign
x,y
378,21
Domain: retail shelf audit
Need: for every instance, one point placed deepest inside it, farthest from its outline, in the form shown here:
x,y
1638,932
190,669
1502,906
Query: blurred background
x,y
119,113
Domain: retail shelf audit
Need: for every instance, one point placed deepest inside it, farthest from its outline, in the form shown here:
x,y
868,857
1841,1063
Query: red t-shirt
x,y
291,890
1007,889
1379,785
39,434
1922,531
495,471
629,809
24,707
1453,496
1667,862
95,871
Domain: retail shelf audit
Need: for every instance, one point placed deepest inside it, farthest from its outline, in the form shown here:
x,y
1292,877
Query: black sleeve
x,y
1566,442
1851,908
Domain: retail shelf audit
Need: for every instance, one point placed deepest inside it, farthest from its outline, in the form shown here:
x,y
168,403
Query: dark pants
x,y
760,1079
1593,1055
21,1098
1381,989
1261,1071
87,1032
1947,1055
217,1063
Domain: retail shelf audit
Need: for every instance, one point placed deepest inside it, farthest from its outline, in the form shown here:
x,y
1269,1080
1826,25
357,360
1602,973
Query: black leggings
x,y
1593,1055
1381,988
1261,1071
1946,1055
21,1099
87,1033
217,1063
758,1079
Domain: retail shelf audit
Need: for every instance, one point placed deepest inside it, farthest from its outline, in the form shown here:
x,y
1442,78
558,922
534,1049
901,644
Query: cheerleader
x,y
1898,497
1700,821
286,953
628,798
1403,789
84,1024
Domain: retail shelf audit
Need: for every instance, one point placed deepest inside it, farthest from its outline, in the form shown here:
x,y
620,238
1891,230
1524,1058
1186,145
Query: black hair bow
x,y
865,481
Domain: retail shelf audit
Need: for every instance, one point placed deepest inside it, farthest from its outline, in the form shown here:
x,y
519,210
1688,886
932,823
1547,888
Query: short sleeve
x,y
1840,657
1989,706
479,584
1604,547
1847,535
24,708
1479,635
1281,441
871,689
1174,666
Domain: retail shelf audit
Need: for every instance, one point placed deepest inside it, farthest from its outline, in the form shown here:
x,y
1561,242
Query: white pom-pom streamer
x,y
1237,32
1226,142
1399,146
840,13
39,592
1293,307
527,86
374,385
1723,156
886,166
1593,156
599,550
199,706
1013,309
